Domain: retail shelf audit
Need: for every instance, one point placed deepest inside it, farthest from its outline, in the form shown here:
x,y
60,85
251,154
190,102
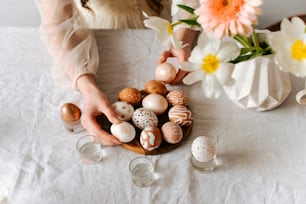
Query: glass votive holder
x,y
71,117
203,154
90,149
142,171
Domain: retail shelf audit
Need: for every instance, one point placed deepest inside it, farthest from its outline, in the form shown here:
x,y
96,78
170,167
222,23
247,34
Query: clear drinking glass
x,y
142,171
90,149
74,127
206,166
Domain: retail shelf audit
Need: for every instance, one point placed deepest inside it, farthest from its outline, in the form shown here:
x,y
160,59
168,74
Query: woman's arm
x,y
72,47
186,35
76,59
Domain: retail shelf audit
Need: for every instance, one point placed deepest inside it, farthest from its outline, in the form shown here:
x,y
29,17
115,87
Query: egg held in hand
x,y
165,72
124,131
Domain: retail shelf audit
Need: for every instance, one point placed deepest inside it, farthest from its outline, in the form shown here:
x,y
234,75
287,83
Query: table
x,y
261,155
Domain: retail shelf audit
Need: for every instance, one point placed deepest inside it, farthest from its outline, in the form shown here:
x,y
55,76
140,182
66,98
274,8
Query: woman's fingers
x,y
110,113
179,77
94,128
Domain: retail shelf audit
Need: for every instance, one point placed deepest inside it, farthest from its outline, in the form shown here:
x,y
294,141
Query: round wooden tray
x,y
135,145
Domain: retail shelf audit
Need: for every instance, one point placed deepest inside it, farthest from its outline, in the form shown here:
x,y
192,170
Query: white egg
x,y
165,72
124,131
156,103
203,149
124,110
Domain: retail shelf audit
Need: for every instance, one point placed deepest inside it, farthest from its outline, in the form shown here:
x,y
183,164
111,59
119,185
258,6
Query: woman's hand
x,y
182,55
96,103
187,36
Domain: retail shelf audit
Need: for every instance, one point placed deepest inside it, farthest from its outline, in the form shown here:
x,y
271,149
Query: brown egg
x,y
157,87
172,132
181,115
150,138
177,97
130,95
70,112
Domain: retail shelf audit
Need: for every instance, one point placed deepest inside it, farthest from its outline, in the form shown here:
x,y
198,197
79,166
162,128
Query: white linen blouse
x,y
66,30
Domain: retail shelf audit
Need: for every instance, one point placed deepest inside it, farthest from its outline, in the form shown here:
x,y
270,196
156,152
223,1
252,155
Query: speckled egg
x,y
150,138
180,115
165,72
124,131
154,86
123,110
130,95
172,132
143,118
203,149
177,97
156,103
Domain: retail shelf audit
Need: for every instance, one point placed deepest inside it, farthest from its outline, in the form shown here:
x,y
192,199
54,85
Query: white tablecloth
x,y
261,156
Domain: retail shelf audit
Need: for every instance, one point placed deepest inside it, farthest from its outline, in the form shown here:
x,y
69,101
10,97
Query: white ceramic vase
x,y
259,84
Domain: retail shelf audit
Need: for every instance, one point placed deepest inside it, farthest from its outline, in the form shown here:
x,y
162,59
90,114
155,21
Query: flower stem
x,y
176,23
254,38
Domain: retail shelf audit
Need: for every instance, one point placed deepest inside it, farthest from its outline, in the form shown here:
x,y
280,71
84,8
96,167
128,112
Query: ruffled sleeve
x,y
72,46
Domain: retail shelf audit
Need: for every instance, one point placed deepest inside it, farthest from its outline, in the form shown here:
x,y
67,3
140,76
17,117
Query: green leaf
x,y
192,22
186,8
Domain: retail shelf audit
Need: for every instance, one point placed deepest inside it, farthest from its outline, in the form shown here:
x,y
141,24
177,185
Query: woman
x,y
75,52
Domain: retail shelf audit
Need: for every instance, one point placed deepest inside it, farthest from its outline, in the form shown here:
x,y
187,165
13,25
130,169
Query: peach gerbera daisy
x,y
228,17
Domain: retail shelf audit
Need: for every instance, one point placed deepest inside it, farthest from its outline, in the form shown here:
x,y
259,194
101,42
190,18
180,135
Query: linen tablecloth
x,y
261,155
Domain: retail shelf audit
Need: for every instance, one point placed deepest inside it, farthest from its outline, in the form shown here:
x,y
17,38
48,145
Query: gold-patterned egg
x,y
157,87
150,138
177,97
130,95
70,112
180,115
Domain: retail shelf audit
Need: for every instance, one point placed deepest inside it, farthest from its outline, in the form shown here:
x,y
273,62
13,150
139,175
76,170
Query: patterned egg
x,y
130,95
172,132
165,72
150,138
154,86
203,149
181,115
156,103
177,97
143,118
123,110
124,131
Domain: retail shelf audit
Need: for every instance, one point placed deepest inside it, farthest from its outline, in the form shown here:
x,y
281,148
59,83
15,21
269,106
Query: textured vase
x,y
259,84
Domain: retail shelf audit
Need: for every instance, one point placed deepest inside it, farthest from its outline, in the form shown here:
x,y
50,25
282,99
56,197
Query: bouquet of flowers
x,y
228,37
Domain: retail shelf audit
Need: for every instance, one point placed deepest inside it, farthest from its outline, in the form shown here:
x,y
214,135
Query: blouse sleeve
x,y
178,13
72,47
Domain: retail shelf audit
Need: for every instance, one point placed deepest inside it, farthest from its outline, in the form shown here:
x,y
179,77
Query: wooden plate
x,y
135,145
